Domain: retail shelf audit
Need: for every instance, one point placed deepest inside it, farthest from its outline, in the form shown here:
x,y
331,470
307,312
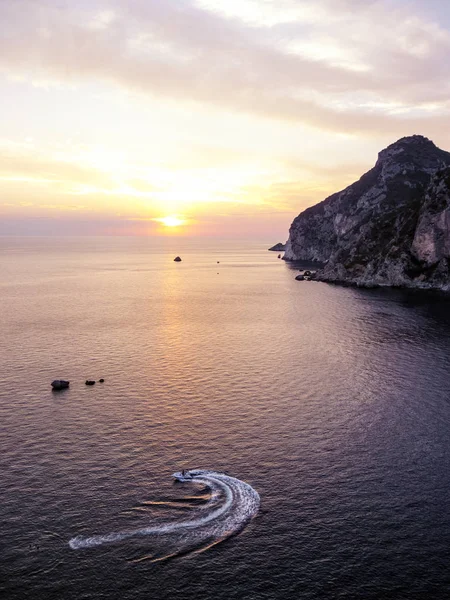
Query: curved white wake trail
x,y
240,505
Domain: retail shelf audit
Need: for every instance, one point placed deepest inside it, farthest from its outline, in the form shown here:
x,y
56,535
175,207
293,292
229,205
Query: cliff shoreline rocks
x,y
390,228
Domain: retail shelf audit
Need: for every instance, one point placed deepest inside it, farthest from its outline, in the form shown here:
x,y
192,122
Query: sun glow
x,y
171,221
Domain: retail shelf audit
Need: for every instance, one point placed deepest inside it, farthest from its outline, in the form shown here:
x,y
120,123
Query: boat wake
x,y
229,505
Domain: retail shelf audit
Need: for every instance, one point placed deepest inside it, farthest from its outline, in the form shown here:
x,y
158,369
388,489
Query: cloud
x,y
33,167
184,51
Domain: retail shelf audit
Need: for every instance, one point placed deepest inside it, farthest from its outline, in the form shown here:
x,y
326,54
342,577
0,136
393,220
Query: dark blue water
x,y
332,403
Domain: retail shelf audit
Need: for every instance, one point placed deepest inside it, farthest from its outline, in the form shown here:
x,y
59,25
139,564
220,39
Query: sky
x,y
206,117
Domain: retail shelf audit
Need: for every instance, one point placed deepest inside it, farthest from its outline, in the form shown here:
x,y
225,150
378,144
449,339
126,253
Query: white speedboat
x,y
187,474
183,475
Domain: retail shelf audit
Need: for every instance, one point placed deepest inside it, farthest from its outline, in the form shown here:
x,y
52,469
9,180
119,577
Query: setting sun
x,y
171,221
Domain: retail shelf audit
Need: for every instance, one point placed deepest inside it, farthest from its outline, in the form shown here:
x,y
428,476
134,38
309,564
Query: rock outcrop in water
x,y
390,228
60,384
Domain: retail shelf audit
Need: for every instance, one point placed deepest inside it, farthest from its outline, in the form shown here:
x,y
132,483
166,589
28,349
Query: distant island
x,y
277,248
390,228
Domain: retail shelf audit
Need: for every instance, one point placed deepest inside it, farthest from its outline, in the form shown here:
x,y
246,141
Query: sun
x,y
171,221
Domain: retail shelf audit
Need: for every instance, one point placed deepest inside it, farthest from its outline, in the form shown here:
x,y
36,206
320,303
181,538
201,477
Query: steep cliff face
x,y
431,244
392,227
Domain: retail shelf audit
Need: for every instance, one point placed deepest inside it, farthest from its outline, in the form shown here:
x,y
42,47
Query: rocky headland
x,y
390,228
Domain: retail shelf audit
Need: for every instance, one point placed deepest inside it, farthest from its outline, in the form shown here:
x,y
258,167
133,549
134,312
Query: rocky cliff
x,y
392,227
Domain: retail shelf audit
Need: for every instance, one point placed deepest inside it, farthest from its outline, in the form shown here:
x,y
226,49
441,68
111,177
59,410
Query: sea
x,y
316,419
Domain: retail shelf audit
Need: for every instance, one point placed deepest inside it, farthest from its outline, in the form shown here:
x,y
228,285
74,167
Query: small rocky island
x,y
390,228
277,248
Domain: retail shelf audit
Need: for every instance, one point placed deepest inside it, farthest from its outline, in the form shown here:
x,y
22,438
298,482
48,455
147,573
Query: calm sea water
x,y
332,403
